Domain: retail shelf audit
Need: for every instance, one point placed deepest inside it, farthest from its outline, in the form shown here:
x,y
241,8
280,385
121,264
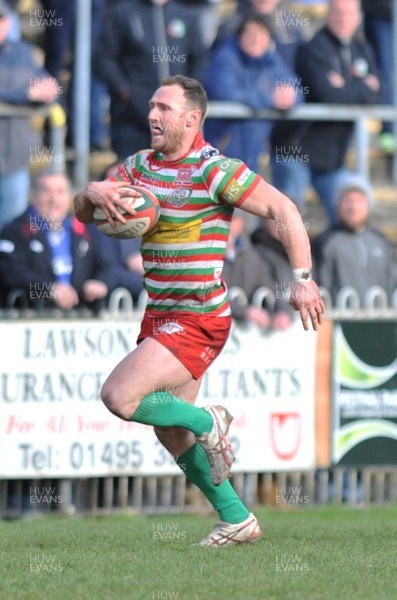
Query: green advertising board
x,y
364,380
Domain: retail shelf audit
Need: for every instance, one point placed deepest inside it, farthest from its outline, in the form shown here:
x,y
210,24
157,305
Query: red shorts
x,y
196,340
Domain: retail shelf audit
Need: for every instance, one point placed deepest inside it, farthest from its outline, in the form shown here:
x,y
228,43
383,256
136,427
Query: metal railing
x,y
357,113
174,494
120,304
360,115
346,306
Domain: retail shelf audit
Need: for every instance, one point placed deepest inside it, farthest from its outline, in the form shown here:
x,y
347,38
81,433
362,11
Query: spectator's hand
x,y
65,296
284,97
134,263
281,321
259,316
306,298
372,82
336,79
94,290
45,89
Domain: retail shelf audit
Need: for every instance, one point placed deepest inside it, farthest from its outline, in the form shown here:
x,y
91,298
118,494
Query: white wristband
x,y
302,275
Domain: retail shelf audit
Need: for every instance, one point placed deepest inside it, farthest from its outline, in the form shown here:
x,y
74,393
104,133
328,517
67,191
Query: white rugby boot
x,y
216,444
227,534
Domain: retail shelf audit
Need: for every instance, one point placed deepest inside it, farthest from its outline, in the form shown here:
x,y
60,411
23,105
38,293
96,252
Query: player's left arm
x,y
266,201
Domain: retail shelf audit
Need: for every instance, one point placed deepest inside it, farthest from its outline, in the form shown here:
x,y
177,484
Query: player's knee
x,y
114,402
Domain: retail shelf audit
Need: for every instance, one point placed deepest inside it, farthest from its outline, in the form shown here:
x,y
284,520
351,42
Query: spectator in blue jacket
x,y
22,81
287,31
248,69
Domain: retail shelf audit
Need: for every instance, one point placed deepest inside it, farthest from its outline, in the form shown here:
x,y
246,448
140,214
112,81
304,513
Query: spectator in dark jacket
x,y
352,253
378,26
142,42
336,67
248,69
22,81
49,255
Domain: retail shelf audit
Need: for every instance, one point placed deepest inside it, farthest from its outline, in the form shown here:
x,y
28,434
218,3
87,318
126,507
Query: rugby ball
x,y
147,215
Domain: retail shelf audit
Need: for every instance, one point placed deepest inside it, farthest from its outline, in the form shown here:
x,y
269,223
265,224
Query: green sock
x,y
163,409
194,464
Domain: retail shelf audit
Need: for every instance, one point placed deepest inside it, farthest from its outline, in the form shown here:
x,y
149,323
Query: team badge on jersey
x,y
178,197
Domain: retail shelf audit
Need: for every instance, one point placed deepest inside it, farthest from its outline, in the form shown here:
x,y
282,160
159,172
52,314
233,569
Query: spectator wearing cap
x,y
352,252
248,69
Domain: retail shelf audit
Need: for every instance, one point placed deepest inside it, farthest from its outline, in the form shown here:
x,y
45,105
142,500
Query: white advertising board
x,y
53,424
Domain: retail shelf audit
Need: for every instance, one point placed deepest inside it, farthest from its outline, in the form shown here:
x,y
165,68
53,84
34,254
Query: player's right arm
x,y
266,201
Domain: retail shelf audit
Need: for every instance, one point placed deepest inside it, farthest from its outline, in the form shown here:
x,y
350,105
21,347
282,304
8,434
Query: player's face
x,y
52,198
353,210
167,119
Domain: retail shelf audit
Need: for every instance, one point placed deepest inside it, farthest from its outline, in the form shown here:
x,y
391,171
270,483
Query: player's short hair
x,y
195,94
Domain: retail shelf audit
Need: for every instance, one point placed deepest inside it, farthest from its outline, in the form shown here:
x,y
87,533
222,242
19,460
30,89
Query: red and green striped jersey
x,y
183,254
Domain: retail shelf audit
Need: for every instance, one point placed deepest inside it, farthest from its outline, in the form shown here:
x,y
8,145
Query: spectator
x,y
14,33
243,268
248,69
352,253
58,40
378,28
58,18
335,67
142,42
287,32
22,81
266,241
49,255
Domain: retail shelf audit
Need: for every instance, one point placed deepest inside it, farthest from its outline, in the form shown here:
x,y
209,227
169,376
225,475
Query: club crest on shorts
x,y
171,327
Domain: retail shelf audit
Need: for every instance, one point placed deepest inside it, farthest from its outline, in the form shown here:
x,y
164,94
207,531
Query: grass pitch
x,y
307,554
